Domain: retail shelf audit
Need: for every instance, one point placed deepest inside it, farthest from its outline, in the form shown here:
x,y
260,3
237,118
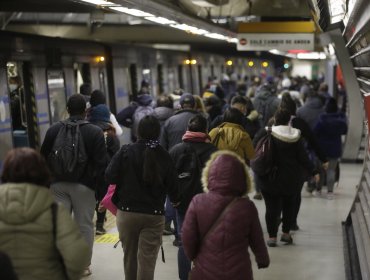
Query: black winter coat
x,y
132,193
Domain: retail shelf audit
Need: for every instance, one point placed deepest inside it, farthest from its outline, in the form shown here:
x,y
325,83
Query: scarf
x,y
191,136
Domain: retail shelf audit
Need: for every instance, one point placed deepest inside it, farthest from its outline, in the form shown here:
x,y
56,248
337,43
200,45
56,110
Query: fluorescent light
x,y
216,36
311,55
160,20
100,2
133,12
233,40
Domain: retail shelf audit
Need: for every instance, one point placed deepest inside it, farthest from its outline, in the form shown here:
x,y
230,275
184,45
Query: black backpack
x,y
263,164
189,170
68,159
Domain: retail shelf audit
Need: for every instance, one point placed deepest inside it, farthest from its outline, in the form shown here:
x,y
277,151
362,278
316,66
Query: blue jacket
x,y
329,129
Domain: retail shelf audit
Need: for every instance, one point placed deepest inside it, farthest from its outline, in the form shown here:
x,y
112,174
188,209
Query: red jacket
x,y
224,254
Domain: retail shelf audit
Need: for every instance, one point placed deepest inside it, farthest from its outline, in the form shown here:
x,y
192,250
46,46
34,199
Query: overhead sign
x,y
279,41
277,27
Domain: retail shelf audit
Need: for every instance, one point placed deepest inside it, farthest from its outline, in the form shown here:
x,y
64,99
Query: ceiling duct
x,y
210,3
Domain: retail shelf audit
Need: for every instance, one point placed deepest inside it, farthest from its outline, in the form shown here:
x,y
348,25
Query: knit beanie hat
x,y
99,113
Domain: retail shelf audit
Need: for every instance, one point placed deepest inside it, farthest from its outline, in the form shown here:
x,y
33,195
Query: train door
x,y
180,76
171,80
22,104
82,75
57,95
133,81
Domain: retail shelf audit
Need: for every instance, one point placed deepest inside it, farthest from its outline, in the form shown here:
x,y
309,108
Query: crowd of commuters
x,y
187,165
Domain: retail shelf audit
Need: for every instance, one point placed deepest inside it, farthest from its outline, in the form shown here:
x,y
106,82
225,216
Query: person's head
x,y
25,165
226,173
331,106
288,103
240,103
85,89
233,115
187,101
14,83
199,104
198,123
286,83
282,116
97,98
76,105
149,128
99,113
165,101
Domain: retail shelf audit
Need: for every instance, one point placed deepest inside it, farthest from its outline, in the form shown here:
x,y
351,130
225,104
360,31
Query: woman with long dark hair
x,y
38,235
144,173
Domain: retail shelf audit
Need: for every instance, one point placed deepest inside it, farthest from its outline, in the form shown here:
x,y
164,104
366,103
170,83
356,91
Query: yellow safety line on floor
x,y
107,238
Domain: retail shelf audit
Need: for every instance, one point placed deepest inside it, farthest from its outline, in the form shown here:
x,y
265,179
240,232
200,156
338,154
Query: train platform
x,y
316,254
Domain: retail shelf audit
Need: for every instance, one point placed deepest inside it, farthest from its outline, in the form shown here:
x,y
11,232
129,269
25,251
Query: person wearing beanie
x,y
329,130
222,223
97,97
99,115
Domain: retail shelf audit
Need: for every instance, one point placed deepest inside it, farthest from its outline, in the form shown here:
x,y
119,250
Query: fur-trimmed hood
x,y
227,174
286,133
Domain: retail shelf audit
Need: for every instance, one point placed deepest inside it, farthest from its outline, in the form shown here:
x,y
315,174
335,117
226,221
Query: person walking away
x,y
310,141
164,108
329,130
99,115
131,115
143,173
230,135
291,164
75,150
38,235
190,157
97,98
222,223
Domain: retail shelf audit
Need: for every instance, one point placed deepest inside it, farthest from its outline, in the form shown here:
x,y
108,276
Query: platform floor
x,y
317,252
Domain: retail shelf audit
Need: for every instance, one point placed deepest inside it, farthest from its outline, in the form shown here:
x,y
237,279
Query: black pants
x,y
100,216
275,205
297,206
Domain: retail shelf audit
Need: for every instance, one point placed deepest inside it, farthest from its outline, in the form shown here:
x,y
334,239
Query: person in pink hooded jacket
x,y
221,251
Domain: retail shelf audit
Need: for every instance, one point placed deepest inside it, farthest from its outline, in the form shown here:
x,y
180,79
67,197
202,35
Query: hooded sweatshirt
x,y
26,235
291,159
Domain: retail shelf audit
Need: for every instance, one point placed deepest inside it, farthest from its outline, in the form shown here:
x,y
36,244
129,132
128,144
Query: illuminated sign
x,y
278,41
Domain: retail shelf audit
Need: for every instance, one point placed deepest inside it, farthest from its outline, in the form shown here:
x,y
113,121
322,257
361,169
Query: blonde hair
x,y
199,104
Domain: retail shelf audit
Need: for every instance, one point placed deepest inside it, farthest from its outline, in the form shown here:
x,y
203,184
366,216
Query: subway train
x,y
38,74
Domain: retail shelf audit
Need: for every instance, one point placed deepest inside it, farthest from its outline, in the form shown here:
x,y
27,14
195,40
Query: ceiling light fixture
x,y
100,2
160,20
133,12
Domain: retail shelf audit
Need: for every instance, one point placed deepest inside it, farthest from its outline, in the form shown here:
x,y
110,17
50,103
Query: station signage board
x,y
282,36
278,41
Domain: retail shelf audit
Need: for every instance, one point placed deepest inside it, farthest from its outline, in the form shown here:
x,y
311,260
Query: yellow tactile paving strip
x,y
108,225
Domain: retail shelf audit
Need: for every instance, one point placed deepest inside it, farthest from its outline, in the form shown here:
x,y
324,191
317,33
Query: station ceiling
x,y
74,19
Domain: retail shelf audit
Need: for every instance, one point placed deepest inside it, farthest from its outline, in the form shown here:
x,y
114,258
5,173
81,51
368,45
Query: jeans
x,y
183,263
330,174
170,215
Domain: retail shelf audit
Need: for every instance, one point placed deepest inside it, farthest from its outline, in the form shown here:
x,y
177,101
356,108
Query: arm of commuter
x,y
257,241
172,184
115,167
116,125
190,232
247,147
125,116
49,139
164,136
100,159
310,137
260,133
304,160
71,245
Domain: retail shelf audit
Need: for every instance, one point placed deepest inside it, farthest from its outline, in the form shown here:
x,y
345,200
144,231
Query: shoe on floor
x,y
176,243
330,196
258,196
100,230
168,230
87,272
271,242
286,238
317,193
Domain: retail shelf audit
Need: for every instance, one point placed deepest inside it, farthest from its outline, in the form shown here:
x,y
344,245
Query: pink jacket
x,y
224,254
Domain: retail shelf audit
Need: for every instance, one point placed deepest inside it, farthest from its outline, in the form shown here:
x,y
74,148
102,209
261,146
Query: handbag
x,y
214,225
107,200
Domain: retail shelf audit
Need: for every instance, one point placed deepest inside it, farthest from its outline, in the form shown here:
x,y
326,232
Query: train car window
x,y
57,95
171,80
18,108
146,82
82,74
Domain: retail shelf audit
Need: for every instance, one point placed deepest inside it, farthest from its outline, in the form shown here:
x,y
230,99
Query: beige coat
x,y
26,234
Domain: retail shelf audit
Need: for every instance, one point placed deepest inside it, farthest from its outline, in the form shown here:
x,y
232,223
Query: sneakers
x,y
286,238
100,230
294,227
176,243
168,230
317,193
258,196
87,272
271,242
330,196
